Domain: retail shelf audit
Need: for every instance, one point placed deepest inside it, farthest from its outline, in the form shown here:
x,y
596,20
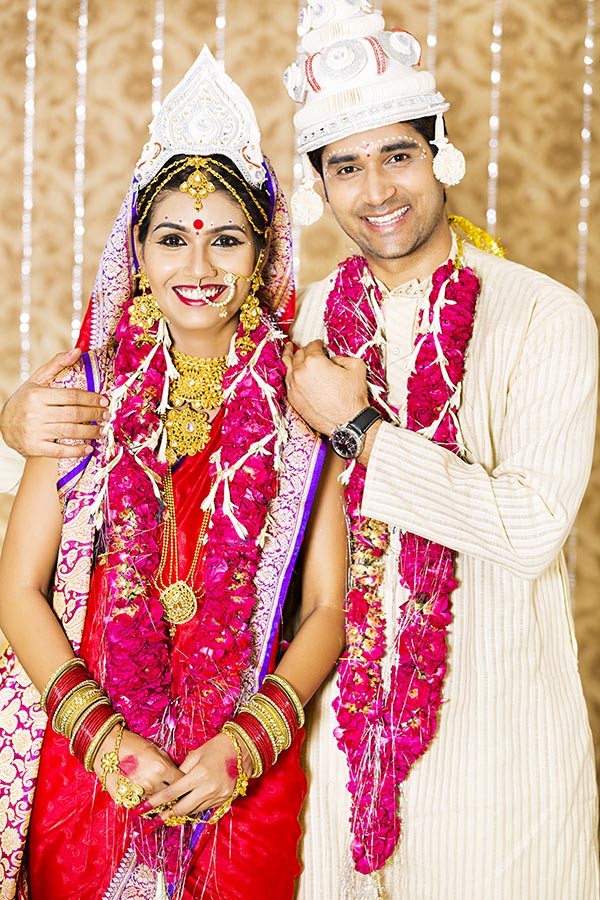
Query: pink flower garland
x,y
384,731
182,714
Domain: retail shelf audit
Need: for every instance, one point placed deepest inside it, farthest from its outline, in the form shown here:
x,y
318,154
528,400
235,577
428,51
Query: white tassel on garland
x,y
157,438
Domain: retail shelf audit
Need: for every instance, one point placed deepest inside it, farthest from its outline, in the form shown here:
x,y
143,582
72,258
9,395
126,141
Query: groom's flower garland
x,y
135,659
384,729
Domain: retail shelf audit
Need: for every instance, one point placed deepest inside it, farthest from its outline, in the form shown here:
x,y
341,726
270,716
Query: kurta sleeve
x,y
11,469
518,513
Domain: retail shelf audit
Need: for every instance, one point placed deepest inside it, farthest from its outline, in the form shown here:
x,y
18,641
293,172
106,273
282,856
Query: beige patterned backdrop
x,y
540,156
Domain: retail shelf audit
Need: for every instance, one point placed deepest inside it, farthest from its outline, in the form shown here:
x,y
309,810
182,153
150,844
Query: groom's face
x,y
381,189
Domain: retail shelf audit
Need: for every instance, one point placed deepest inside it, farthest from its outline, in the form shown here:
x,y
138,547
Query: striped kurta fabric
x,y
503,806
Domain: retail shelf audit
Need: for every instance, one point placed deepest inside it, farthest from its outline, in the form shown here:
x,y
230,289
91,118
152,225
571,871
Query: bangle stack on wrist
x,y
267,724
79,709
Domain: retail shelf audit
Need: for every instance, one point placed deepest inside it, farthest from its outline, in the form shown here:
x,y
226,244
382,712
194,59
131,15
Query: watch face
x,y
346,443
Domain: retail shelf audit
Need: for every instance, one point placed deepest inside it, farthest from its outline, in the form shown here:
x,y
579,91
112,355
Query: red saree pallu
x,y
79,845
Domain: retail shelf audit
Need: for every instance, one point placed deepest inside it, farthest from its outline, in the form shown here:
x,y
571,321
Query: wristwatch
x,y
348,439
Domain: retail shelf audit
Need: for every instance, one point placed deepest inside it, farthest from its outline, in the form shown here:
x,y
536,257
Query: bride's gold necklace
x,y
198,388
178,597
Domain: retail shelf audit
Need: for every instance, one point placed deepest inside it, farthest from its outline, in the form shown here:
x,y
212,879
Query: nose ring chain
x,y
230,279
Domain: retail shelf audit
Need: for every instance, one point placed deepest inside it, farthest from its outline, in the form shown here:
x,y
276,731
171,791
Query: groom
x,y
461,389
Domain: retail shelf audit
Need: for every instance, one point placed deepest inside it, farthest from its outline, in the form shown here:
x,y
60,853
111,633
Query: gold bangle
x,y
270,704
90,756
73,705
240,787
291,695
64,667
271,723
274,727
250,708
255,757
101,701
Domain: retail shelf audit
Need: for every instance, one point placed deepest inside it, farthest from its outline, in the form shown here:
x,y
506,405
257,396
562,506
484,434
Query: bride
x,y
150,717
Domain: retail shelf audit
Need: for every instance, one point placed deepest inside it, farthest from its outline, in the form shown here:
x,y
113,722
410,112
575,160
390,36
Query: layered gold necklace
x,y
178,596
199,388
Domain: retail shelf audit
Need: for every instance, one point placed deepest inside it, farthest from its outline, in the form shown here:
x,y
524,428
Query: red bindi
x,y
198,224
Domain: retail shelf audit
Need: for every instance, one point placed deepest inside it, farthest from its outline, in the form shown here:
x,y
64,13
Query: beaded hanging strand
x,y
157,55
494,121
585,179
28,148
220,28
79,174
297,168
586,150
432,37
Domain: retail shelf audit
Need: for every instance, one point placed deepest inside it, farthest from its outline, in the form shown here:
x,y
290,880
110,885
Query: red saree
x,y
78,837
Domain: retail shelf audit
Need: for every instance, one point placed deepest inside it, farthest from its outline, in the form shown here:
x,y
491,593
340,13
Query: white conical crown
x,y
354,76
206,113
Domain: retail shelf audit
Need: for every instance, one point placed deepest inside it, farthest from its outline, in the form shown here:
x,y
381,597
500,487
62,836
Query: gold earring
x,y
144,311
250,311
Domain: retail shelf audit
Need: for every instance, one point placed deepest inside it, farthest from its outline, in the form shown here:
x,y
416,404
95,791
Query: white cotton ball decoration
x,y
449,165
307,206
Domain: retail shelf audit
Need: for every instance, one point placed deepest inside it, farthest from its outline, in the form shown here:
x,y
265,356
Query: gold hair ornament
x,y
198,186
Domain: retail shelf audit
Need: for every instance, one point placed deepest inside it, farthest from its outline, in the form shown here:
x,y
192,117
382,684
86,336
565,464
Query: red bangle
x,y
259,736
283,703
89,728
64,686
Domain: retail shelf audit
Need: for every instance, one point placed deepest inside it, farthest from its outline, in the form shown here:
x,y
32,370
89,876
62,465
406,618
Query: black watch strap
x,y
366,417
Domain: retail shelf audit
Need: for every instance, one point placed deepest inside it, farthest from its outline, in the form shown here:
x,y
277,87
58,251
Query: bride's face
x,y
186,255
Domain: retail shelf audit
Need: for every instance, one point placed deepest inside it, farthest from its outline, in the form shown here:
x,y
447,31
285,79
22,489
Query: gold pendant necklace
x,y
177,595
198,388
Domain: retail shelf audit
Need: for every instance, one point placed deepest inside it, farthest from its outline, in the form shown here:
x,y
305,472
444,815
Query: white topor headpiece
x,y
206,113
355,76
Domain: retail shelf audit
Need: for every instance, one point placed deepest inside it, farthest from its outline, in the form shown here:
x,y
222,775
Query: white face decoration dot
x,y
397,144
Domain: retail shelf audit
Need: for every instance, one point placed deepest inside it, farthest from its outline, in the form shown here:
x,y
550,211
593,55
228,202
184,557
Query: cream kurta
x,y
503,806
11,469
